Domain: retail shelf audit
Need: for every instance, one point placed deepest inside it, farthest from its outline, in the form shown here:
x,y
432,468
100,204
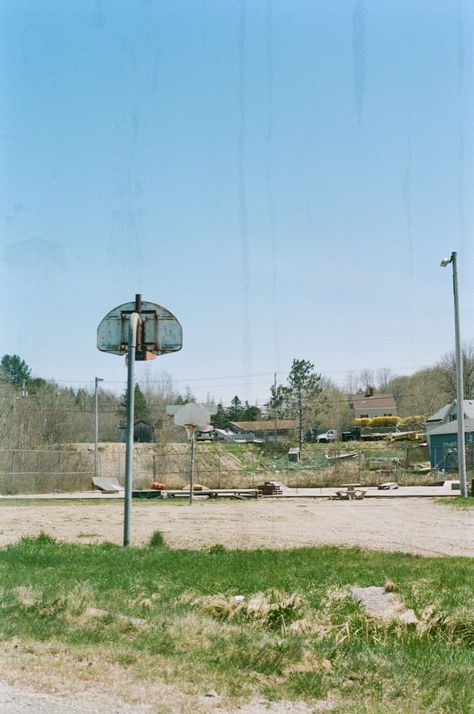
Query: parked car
x,y
206,434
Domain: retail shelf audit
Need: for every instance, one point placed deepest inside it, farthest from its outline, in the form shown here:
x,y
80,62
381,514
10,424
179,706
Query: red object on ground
x,y
158,486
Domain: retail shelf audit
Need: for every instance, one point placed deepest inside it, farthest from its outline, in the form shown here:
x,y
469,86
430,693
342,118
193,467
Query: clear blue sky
x,y
284,176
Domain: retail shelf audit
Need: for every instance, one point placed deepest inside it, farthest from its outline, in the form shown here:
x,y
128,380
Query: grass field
x,y
154,613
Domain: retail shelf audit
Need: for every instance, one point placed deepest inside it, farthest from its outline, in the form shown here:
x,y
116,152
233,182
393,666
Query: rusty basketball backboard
x,y
160,330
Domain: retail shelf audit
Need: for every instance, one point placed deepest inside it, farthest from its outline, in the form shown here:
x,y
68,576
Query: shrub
x,y
415,422
157,540
382,421
362,421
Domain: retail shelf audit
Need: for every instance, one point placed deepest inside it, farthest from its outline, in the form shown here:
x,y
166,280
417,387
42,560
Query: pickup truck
x,y
329,435
357,434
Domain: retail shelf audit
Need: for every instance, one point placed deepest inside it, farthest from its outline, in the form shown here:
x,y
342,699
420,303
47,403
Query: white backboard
x,y
192,414
161,331
171,409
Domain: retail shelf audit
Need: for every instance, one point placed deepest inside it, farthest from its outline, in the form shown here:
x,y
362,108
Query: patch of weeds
x,y
457,502
126,659
271,608
217,549
308,684
455,627
261,655
43,540
157,540
158,641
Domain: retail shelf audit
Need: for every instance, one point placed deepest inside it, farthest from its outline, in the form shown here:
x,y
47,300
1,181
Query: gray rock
x,y
383,605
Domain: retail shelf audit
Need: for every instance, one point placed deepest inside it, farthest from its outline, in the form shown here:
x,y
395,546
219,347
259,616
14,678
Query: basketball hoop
x,y
191,416
190,429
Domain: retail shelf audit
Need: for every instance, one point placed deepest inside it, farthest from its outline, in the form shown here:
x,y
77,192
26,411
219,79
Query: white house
x,y
449,413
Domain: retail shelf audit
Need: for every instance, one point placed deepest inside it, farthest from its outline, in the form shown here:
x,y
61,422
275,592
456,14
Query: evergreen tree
x,y
299,399
235,411
251,413
141,410
220,419
14,370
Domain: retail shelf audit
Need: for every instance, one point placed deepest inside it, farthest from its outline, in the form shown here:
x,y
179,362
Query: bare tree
x,y
383,378
447,367
367,379
352,383
335,412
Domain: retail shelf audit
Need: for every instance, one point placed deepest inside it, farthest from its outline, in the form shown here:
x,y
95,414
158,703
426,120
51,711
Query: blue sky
x,y
284,176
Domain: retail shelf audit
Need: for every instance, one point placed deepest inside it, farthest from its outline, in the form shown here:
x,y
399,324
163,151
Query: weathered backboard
x,y
171,409
161,331
192,414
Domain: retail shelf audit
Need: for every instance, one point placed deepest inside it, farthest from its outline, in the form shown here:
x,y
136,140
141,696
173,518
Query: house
x,y
370,404
448,413
443,443
265,429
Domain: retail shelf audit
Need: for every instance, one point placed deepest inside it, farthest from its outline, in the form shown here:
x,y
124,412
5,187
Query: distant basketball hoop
x,y
190,430
192,416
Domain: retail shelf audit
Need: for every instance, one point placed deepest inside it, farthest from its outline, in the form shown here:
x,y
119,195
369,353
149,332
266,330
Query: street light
x,y
459,377
96,424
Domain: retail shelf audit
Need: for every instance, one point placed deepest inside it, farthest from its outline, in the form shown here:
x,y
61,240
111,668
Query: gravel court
x,y
414,525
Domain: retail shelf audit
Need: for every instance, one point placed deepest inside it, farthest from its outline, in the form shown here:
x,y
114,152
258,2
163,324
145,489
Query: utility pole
x,y
275,407
96,425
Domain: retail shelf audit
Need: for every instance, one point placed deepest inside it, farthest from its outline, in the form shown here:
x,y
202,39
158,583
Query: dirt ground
x,y
412,525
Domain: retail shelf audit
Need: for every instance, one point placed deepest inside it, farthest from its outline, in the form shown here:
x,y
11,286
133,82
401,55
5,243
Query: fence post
x,y
12,470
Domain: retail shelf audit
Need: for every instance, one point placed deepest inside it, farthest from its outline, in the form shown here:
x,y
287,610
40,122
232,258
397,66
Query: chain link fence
x,y
72,469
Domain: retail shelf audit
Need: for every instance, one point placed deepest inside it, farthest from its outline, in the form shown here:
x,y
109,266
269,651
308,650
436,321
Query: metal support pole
x,y
459,383
96,425
193,465
132,346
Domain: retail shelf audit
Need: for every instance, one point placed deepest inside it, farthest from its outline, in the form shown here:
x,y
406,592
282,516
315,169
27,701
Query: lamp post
x,y
96,424
459,377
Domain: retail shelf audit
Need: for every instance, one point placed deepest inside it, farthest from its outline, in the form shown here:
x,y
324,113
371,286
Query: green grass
x,y
457,502
298,634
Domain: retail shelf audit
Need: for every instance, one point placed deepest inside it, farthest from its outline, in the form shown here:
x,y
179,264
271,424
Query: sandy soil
x,y
410,525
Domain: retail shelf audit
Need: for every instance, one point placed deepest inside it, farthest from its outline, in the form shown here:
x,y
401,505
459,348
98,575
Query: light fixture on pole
x,y
459,377
96,424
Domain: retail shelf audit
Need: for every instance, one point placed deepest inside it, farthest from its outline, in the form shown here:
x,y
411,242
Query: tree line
x,y
35,412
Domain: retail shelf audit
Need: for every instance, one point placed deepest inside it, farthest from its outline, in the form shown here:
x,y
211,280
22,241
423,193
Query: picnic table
x,y
353,492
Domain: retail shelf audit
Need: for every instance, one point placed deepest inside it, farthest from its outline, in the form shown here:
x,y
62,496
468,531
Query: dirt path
x,y
409,525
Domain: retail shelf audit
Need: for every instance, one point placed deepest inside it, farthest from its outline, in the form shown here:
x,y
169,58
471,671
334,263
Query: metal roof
x,y
451,427
442,413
